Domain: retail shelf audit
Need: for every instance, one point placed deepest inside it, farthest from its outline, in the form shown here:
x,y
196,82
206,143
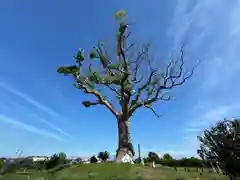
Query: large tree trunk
x,y
124,140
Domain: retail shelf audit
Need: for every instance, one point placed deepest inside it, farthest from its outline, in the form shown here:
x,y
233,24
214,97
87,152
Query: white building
x,y
39,158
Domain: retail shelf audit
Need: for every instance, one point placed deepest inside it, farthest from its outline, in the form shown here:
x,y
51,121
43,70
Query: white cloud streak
x,y
40,119
192,129
213,31
39,106
30,128
204,117
30,100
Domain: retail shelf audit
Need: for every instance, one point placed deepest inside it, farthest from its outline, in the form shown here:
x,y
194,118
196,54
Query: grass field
x,y
115,171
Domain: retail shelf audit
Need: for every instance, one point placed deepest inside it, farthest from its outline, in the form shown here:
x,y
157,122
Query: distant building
x,y
39,158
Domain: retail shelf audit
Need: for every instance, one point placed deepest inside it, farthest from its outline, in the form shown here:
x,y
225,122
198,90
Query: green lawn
x,y
116,171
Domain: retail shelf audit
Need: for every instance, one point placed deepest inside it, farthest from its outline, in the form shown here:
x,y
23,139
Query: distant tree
x,y
62,158
52,162
191,162
131,76
56,159
1,165
79,160
167,157
146,160
153,157
220,147
104,156
93,159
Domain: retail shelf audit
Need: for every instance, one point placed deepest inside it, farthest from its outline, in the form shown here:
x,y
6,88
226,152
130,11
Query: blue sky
x,y
41,112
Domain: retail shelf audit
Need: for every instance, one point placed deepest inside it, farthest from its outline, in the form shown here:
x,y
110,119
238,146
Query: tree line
x,y
168,160
57,160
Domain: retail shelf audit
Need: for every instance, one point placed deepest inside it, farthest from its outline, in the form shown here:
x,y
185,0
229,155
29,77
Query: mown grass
x,y
115,171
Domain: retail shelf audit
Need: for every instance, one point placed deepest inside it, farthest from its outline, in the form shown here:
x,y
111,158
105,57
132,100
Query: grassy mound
x,y
117,172
97,171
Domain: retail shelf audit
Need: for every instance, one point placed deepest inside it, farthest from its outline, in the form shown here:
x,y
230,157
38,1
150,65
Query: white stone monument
x,y
153,164
127,159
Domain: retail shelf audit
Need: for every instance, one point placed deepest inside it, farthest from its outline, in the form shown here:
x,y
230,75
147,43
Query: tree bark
x,y
124,140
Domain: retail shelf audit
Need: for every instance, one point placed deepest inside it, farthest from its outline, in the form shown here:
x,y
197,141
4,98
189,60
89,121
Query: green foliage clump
x,y
168,160
220,147
104,156
120,14
56,159
167,157
1,163
93,159
153,156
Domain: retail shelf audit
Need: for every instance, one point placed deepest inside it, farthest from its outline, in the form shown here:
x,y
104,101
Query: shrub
x,y
104,156
1,163
93,159
56,159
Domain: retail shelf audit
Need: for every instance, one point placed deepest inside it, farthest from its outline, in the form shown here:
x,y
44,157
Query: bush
x,y
56,159
152,156
1,163
184,162
173,163
191,162
93,159
104,156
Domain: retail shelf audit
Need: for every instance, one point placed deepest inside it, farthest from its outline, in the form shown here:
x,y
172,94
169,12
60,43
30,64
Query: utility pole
x,y
139,152
139,156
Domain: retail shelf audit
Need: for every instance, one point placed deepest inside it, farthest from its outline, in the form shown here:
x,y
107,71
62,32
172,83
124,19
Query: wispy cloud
x,y
30,100
203,118
41,107
213,28
30,128
38,105
217,113
191,20
192,129
53,126
213,32
42,120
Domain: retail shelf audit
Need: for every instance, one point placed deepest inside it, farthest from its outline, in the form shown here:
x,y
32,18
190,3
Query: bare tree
x,y
133,78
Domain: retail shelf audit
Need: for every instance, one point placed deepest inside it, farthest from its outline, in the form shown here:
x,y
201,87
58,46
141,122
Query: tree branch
x,y
101,98
138,62
153,110
89,103
147,103
143,87
172,77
